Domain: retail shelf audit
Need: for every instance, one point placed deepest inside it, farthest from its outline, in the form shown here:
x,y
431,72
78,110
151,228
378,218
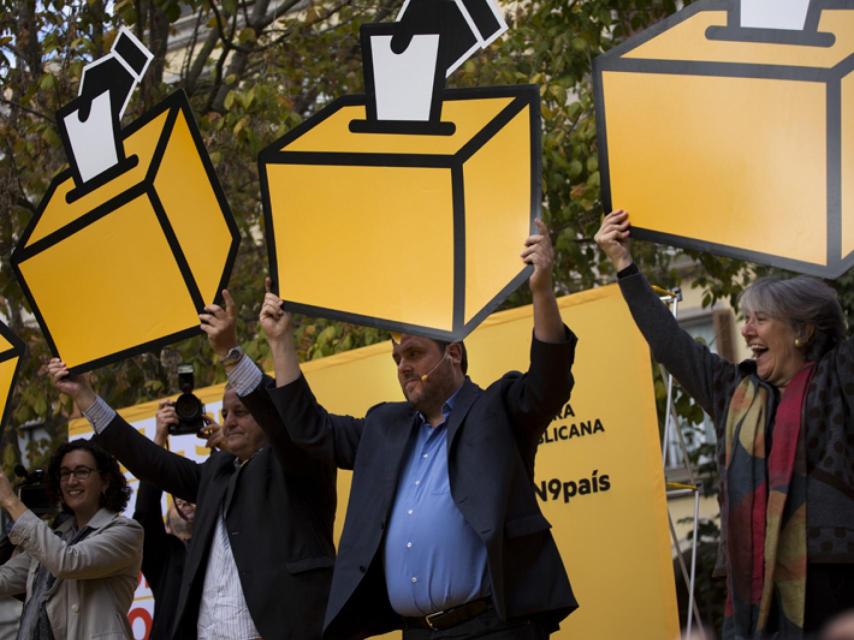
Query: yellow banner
x,y
598,476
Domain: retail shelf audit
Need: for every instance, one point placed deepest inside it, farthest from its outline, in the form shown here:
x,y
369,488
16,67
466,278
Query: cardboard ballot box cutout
x,y
12,349
407,208
125,262
728,128
410,232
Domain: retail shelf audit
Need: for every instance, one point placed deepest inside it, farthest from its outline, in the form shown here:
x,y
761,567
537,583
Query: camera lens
x,y
188,407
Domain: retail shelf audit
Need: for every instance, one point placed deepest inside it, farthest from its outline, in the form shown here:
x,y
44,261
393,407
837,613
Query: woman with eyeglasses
x,y
79,579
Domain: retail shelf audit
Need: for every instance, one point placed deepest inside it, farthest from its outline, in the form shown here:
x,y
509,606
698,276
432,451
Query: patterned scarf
x,y
765,513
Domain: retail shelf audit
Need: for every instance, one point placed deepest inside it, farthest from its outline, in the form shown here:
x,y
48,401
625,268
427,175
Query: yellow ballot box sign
x,y
12,349
410,232
727,128
407,208
122,259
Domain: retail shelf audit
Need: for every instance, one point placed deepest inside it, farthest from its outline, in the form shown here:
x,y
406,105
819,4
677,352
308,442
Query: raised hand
x,y
9,500
613,238
539,253
75,387
275,321
220,325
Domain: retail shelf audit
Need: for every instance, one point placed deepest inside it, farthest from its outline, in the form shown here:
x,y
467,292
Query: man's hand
x,y
275,321
220,325
75,387
165,416
212,432
539,253
613,239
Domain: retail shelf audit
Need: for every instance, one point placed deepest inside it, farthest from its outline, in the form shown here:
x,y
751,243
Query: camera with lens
x,y
189,408
33,491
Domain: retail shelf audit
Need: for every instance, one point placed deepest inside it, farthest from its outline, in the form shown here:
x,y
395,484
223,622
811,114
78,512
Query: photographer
x,y
85,572
260,562
165,548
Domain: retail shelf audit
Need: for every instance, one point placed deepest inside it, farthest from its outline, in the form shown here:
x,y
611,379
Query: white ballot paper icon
x,y
89,125
93,139
404,81
406,62
774,14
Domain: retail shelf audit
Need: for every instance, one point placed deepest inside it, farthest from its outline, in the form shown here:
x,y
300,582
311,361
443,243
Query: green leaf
x,y
246,35
47,82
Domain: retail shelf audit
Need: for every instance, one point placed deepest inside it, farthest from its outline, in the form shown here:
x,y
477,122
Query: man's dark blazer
x,y
279,522
492,441
163,557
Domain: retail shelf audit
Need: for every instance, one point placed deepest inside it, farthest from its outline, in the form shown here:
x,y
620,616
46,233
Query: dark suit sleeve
x,y
535,398
293,458
313,429
145,460
149,514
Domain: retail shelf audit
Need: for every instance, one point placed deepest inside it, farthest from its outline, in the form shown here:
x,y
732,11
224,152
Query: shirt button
x,y
409,512
417,482
426,455
408,545
75,608
414,579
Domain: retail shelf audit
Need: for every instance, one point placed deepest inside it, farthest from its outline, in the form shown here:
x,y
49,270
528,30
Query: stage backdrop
x,y
598,477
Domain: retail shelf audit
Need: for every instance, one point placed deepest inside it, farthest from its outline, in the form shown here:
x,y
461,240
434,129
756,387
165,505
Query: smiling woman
x,y
785,436
83,574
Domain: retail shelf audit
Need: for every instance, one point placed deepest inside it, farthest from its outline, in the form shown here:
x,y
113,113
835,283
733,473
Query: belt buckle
x,y
429,618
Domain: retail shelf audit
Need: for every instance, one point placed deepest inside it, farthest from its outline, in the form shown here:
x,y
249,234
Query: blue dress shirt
x,y
433,559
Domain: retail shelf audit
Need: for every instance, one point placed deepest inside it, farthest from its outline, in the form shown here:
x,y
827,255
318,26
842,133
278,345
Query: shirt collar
x,y
446,408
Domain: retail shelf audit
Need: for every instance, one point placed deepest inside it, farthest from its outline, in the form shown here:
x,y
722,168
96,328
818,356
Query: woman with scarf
x,y
785,435
79,579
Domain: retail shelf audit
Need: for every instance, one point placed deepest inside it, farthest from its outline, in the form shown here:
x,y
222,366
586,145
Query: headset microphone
x,y
426,376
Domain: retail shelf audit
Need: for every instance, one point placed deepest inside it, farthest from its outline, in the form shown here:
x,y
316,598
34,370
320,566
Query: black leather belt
x,y
448,618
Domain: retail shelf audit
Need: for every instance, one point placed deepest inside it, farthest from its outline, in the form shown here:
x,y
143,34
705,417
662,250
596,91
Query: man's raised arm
x,y
538,395
548,327
310,426
147,461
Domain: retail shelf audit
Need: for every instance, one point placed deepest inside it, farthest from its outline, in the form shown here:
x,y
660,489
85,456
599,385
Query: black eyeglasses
x,y
81,473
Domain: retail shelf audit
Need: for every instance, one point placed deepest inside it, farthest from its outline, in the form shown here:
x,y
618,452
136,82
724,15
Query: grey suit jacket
x,y
96,577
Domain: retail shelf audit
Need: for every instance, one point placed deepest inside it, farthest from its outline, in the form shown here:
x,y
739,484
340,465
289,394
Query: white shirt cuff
x,y
99,415
245,376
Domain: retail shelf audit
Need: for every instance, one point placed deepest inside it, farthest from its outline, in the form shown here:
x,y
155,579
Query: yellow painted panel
x,y
718,159
7,373
59,213
375,241
130,289
193,210
687,41
847,164
498,209
333,134
4,344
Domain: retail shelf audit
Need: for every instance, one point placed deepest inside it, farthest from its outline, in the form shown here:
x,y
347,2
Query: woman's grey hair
x,y
800,301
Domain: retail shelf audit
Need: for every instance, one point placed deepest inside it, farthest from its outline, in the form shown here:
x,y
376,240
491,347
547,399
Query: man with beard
x,y
443,535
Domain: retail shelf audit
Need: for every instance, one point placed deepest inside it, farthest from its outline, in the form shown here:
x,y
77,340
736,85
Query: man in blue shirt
x,y
443,535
